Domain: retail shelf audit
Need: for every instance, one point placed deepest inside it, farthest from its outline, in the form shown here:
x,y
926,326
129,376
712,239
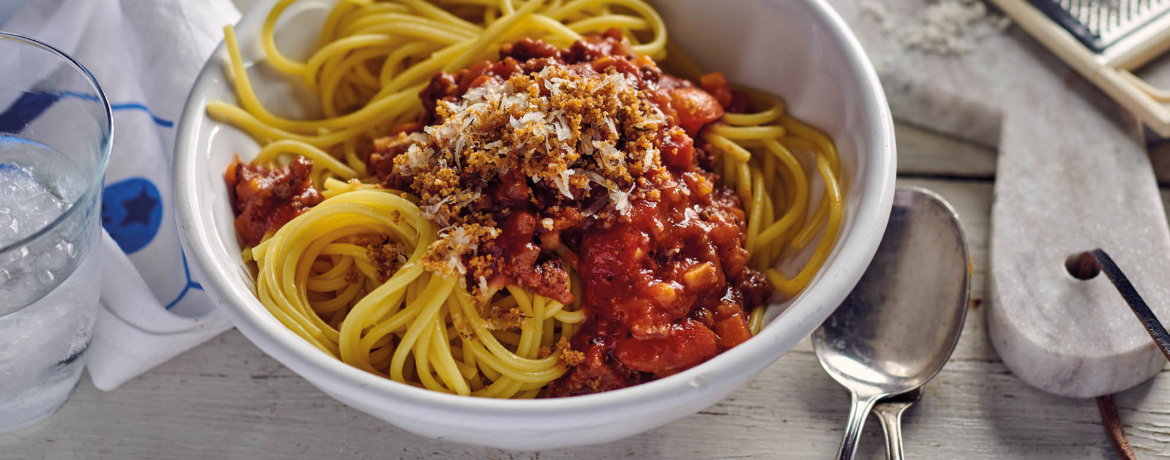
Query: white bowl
x,y
798,49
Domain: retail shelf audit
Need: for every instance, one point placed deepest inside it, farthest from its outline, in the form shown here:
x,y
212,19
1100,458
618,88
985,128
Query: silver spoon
x,y
898,327
889,412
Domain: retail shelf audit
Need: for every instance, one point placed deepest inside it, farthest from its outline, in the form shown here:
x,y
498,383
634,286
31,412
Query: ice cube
x,y
26,206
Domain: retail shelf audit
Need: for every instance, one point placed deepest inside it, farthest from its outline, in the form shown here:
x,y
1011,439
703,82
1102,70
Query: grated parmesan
x,y
562,181
621,200
585,130
947,27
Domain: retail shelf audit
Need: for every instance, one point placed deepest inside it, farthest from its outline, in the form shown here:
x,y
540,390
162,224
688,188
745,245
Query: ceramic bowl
x,y
800,50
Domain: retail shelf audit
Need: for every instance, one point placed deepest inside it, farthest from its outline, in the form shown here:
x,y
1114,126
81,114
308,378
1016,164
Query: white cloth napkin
x,y
145,54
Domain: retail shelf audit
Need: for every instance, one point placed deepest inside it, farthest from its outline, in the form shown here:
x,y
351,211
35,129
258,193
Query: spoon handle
x,y
857,414
890,414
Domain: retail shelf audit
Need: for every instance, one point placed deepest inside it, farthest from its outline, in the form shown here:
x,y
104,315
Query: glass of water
x,y
55,136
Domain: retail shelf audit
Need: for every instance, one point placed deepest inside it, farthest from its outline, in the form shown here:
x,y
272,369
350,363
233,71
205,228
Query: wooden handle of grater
x,y
1109,76
1158,94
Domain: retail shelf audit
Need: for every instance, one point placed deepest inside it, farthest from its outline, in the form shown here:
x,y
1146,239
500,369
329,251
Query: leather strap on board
x,y
1086,266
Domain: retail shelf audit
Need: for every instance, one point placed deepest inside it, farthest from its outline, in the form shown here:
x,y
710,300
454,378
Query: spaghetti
x,y
370,262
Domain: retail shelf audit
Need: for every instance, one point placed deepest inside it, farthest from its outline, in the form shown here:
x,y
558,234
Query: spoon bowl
x,y
899,325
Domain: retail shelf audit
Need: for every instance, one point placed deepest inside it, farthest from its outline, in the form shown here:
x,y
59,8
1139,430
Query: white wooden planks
x,y
227,399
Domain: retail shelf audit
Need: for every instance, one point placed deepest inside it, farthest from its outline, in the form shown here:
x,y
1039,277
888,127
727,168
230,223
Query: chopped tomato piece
x,y
732,331
620,64
695,108
688,343
715,84
677,148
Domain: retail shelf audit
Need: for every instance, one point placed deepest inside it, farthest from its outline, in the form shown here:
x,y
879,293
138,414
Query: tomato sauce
x,y
665,286
665,291
668,288
264,199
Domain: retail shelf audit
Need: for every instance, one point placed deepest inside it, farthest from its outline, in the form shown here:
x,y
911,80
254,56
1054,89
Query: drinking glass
x,y
55,136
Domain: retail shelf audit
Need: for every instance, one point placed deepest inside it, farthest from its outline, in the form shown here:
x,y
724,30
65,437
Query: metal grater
x,y
1100,24
1105,40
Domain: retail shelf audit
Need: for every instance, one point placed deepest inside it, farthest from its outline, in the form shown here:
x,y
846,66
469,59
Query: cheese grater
x,y
1105,40
1099,24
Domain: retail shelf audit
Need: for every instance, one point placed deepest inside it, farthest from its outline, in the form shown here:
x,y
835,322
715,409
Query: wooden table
x,y
226,399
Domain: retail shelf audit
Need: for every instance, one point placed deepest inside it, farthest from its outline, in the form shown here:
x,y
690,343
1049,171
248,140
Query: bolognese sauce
x,y
592,149
264,199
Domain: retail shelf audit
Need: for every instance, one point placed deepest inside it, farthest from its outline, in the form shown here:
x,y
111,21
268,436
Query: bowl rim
x,y
859,243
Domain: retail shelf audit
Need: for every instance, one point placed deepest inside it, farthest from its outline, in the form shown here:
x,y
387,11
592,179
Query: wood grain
x,y
924,153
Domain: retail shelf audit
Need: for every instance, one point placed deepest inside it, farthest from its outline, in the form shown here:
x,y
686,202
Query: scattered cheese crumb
x,y
949,27
878,11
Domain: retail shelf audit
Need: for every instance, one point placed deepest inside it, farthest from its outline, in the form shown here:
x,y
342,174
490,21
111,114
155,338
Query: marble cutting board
x,y
1073,175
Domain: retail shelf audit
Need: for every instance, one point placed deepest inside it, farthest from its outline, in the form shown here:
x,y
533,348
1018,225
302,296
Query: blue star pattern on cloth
x,y
131,213
153,307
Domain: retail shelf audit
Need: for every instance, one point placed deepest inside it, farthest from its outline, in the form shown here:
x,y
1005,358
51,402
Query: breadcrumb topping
x,y
504,320
586,135
385,255
568,354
